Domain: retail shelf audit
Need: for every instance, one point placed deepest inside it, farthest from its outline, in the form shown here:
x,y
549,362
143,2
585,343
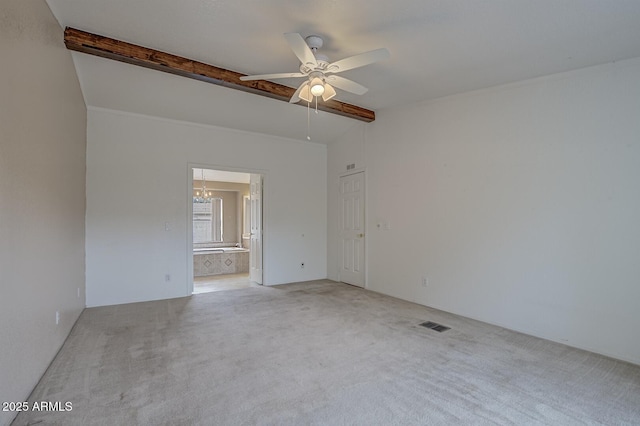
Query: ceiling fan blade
x,y
346,84
272,76
296,96
301,49
358,60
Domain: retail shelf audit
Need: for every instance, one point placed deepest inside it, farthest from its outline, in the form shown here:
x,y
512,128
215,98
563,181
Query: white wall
x,y
42,175
137,180
519,203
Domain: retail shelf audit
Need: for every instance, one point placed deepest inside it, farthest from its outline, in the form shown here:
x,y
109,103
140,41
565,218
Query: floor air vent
x,y
435,326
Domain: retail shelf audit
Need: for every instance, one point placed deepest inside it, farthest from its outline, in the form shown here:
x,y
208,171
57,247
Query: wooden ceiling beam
x,y
93,44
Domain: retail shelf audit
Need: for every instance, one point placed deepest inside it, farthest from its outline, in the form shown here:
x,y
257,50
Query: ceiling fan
x,y
319,73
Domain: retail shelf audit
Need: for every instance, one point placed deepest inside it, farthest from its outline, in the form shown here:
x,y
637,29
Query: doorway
x,y
352,236
224,209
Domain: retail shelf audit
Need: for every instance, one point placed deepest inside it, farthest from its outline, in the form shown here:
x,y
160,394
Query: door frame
x,y
189,201
366,227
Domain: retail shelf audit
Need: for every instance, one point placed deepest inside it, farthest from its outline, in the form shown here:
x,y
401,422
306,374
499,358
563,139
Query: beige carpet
x,y
321,353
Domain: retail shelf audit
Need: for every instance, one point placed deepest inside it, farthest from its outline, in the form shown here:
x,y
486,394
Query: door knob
x,y
360,235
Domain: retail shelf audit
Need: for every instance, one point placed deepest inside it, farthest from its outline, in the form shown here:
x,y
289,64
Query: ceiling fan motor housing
x,y
322,64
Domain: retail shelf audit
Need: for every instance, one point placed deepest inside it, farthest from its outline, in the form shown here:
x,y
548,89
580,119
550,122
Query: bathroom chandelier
x,y
203,194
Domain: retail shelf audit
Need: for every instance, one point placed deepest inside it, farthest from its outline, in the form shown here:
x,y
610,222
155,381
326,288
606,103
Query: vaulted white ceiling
x,y
438,48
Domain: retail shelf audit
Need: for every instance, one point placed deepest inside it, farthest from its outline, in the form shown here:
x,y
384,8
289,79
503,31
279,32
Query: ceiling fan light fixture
x,y
329,92
316,86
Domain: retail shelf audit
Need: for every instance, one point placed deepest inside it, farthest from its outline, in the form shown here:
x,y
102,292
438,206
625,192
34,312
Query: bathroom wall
x,y
231,194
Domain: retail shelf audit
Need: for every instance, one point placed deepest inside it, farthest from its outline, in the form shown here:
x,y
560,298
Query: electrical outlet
x,y
57,317
425,282
167,277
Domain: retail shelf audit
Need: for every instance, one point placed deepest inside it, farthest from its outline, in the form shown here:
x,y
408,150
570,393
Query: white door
x,y
352,229
255,254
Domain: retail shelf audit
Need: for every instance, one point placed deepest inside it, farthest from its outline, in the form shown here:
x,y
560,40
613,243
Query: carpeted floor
x,y
321,353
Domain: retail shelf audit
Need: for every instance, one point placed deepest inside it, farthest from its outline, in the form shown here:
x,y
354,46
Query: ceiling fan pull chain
x,y
308,121
316,104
